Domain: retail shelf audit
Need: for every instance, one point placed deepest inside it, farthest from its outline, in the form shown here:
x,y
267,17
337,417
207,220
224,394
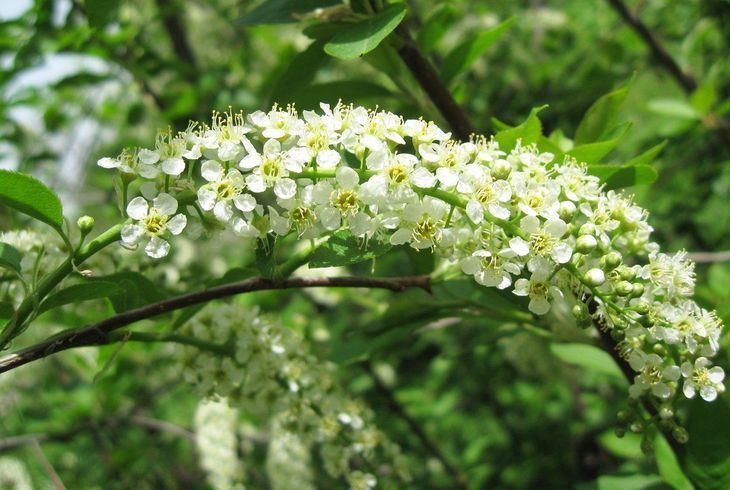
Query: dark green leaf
x,y
265,259
282,11
80,292
528,132
465,54
357,39
6,310
600,117
588,357
436,26
30,196
344,249
706,459
302,68
133,290
100,12
620,176
669,468
10,257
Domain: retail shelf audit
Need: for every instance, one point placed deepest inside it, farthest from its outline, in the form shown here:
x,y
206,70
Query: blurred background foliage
x,y
494,396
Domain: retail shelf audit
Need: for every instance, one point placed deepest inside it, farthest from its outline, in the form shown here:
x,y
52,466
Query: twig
x,y
98,333
458,477
163,426
662,56
47,466
427,76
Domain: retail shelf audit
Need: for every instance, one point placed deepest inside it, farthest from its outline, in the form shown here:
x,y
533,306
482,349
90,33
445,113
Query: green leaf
x,y
624,482
6,310
436,26
357,39
626,447
594,152
600,117
529,132
100,12
669,468
588,357
460,59
10,257
620,176
133,290
706,458
344,249
79,293
675,108
648,156
30,196
265,259
704,98
282,11
303,67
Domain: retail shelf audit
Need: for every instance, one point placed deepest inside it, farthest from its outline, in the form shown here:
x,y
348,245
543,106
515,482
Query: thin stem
x,y
26,308
99,333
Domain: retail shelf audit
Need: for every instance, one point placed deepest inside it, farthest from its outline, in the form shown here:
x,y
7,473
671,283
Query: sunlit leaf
x,y
357,39
30,196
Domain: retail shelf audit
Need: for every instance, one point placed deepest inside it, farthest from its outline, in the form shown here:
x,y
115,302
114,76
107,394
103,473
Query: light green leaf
x,y
460,59
626,447
357,39
79,293
588,357
600,117
30,196
436,26
344,249
669,468
594,152
282,11
704,98
528,132
620,176
648,156
623,482
675,108
10,257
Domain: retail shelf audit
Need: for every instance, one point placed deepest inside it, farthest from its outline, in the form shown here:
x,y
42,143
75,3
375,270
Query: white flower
x,y
271,168
225,190
699,377
226,140
396,174
653,375
168,153
339,203
448,158
486,194
488,269
544,240
422,224
277,124
128,162
539,289
153,222
673,275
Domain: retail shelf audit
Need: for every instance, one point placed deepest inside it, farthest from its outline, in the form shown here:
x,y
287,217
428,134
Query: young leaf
x,y
669,468
600,117
674,108
282,11
10,257
357,39
465,54
528,132
704,98
648,156
29,196
80,292
265,259
620,176
344,249
588,357
594,152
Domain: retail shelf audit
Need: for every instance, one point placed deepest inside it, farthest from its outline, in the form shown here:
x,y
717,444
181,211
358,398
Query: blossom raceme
x,y
512,218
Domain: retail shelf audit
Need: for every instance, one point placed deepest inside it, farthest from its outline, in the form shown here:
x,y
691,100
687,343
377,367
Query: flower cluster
x,y
265,371
511,219
215,437
288,463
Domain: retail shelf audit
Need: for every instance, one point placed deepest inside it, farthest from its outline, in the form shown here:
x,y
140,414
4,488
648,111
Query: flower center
x,y
226,190
485,194
271,168
701,376
538,289
397,174
542,242
345,201
155,223
425,229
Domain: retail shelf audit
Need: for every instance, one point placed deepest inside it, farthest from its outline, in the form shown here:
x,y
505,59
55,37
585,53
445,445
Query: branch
x,y
709,257
427,76
176,31
98,333
661,55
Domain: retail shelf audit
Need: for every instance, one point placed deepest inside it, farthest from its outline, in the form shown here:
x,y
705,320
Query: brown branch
x,y
98,333
709,257
661,55
178,37
425,73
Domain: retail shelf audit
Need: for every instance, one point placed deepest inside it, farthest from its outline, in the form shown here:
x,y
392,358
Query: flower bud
x,y
611,260
587,229
637,289
627,273
624,288
617,335
636,428
659,349
501,169
623,415
580,311
620,432
566,211
85,224
666,413
680,435
641,307
586,244
594,277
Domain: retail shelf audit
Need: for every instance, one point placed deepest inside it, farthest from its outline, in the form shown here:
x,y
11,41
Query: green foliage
x,y
29,196
352,41
97,289
345,249
587,357
620,176
10,257
600,117
528,131
126,290
706,458
282,11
